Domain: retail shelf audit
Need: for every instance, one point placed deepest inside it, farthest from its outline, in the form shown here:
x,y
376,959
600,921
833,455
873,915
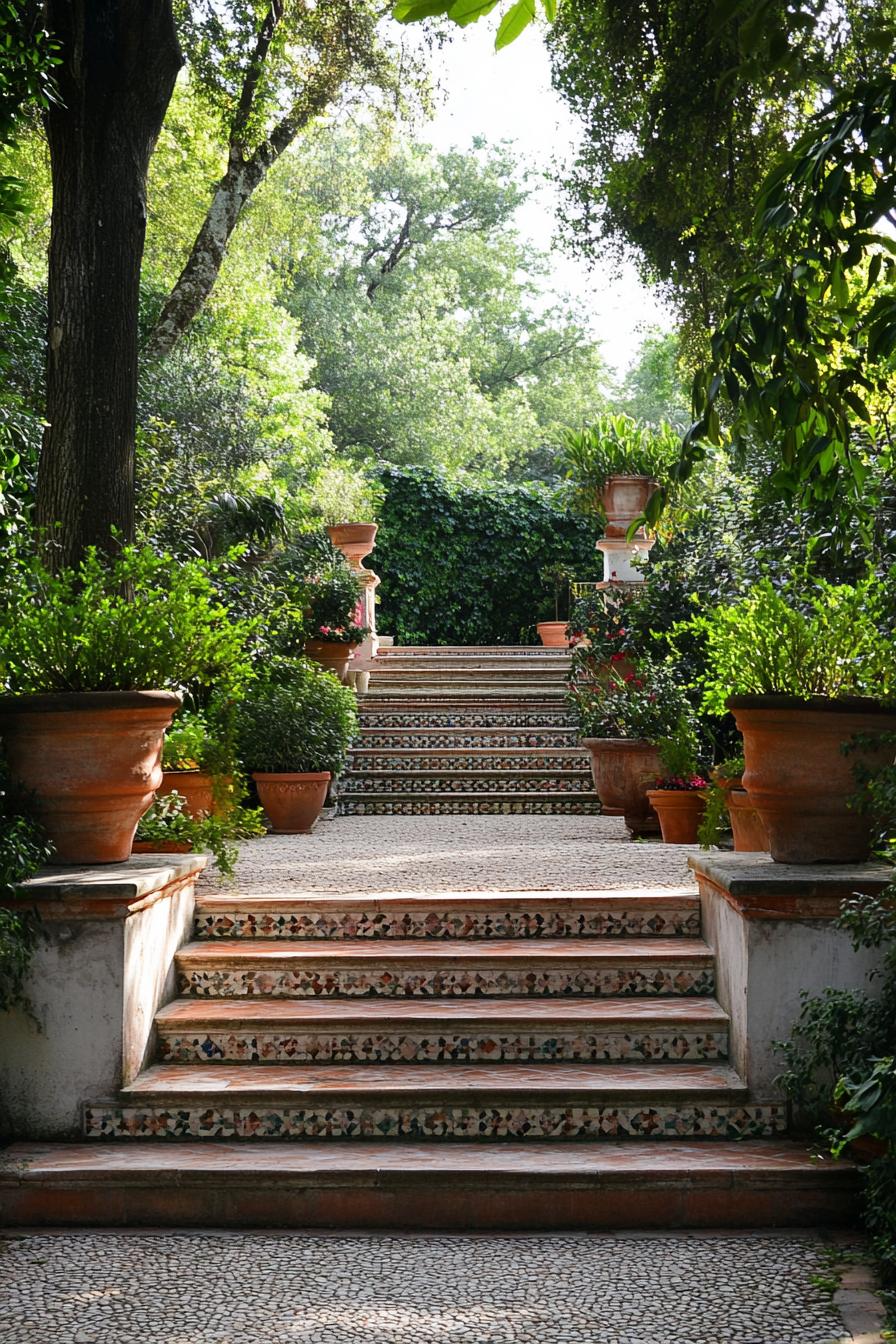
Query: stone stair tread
x,y
486,753
444,951
458,795
612,897
454,1013
584,1082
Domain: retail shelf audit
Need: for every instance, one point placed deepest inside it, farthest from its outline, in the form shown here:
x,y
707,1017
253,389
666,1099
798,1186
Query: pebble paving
x,y
295,1288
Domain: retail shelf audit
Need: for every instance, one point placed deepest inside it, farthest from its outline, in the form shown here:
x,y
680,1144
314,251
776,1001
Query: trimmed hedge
x,y
461,563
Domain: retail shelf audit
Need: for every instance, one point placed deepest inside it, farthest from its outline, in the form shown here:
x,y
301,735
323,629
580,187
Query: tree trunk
x,y
120,60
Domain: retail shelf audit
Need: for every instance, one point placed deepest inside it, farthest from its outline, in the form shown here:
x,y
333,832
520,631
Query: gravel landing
x,y
295,1288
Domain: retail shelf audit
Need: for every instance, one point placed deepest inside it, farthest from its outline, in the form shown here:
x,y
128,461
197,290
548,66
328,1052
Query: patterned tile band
x,y
478,782
479,805
568,922
547,762
405,1047
381,717
536,1122
354,981
409,739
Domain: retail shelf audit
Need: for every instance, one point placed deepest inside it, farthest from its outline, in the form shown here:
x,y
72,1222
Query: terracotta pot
x,y
335,657
552,634
747,827
623,499
680,812
196,787
93,762
623,770
798,778
293,802
161,847
354,540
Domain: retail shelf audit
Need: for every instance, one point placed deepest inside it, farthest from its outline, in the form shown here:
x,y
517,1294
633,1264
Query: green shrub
x,y
137,622
461,561
167,821
826,641
23,849
645,705
616,445
302,722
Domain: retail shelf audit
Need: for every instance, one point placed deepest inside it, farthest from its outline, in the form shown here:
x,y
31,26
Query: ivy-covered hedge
x,y
463,563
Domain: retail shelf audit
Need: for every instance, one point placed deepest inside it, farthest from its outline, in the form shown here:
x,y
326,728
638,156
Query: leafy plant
x,y
715,820
558,578
333,596
168,822
186,743
23,849
647,704
824,642
136,622
616,445
302,722
678,756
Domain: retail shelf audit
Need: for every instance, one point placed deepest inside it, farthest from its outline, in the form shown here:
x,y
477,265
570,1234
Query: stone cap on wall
x,y
107,891
759,888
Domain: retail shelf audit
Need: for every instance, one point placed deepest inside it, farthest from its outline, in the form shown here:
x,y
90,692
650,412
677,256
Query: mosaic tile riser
x,y
434,718
227,983
444,1122
466,806
544,761
479,782
567,923
401,1047
410,740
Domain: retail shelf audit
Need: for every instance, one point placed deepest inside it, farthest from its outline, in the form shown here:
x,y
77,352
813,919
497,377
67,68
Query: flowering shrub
x,y
646,704
599,631
340,634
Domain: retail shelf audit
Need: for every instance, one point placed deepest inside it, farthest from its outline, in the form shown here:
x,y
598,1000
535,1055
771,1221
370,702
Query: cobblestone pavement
x,y
512,853
294,1288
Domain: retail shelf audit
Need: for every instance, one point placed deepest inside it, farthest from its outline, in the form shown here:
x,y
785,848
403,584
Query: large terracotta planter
x,y
161,847
798,777
92,761
354,540
196,787
747,827
293,802
680,812
623,770
623,499
332,655
553,634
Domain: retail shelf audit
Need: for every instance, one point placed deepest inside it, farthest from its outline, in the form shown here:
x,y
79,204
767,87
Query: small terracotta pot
x,y
747,827
680,812
293,802
333,656
161,847
553,634
196,787
623,770
354,540
623,499
93,762
798,778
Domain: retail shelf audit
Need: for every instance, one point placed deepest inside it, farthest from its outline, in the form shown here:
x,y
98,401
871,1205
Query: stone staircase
x,y
503,1059
467,730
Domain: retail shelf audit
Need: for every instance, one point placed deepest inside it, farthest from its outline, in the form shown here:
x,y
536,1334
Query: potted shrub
x,y
187,758
294,731
354,540
616,464
553,634
728,806
93,660
622,718
810,678
679,795
169,827
331,618
601,635
341,494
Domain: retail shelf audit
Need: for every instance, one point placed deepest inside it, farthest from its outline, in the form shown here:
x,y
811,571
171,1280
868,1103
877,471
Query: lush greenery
x,y
333,596
23,849
616,445
646,704
138,622
464,561
299,720
170,823
816,639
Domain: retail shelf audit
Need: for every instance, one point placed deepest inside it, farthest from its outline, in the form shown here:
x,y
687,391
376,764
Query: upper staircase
x,y
467,730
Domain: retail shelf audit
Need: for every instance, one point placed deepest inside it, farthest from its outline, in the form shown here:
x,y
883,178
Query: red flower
x,y
617,657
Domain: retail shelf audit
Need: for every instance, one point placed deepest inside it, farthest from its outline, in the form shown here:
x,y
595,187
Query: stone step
x,y
534,1102
396,664
399,782
462,1186
442,1031
471,651
642,912
364,760
553,739
469,804
487,680
435,968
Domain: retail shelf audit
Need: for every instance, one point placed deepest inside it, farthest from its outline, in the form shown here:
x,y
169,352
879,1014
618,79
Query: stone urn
x,y
799,778
292,801
196,787
623,770
747,828
553,634
331,654
680,812
623,499
92,760
354,540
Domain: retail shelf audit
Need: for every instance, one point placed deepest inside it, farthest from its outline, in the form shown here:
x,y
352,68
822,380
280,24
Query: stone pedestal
x,y
772,928
102,967
624,560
